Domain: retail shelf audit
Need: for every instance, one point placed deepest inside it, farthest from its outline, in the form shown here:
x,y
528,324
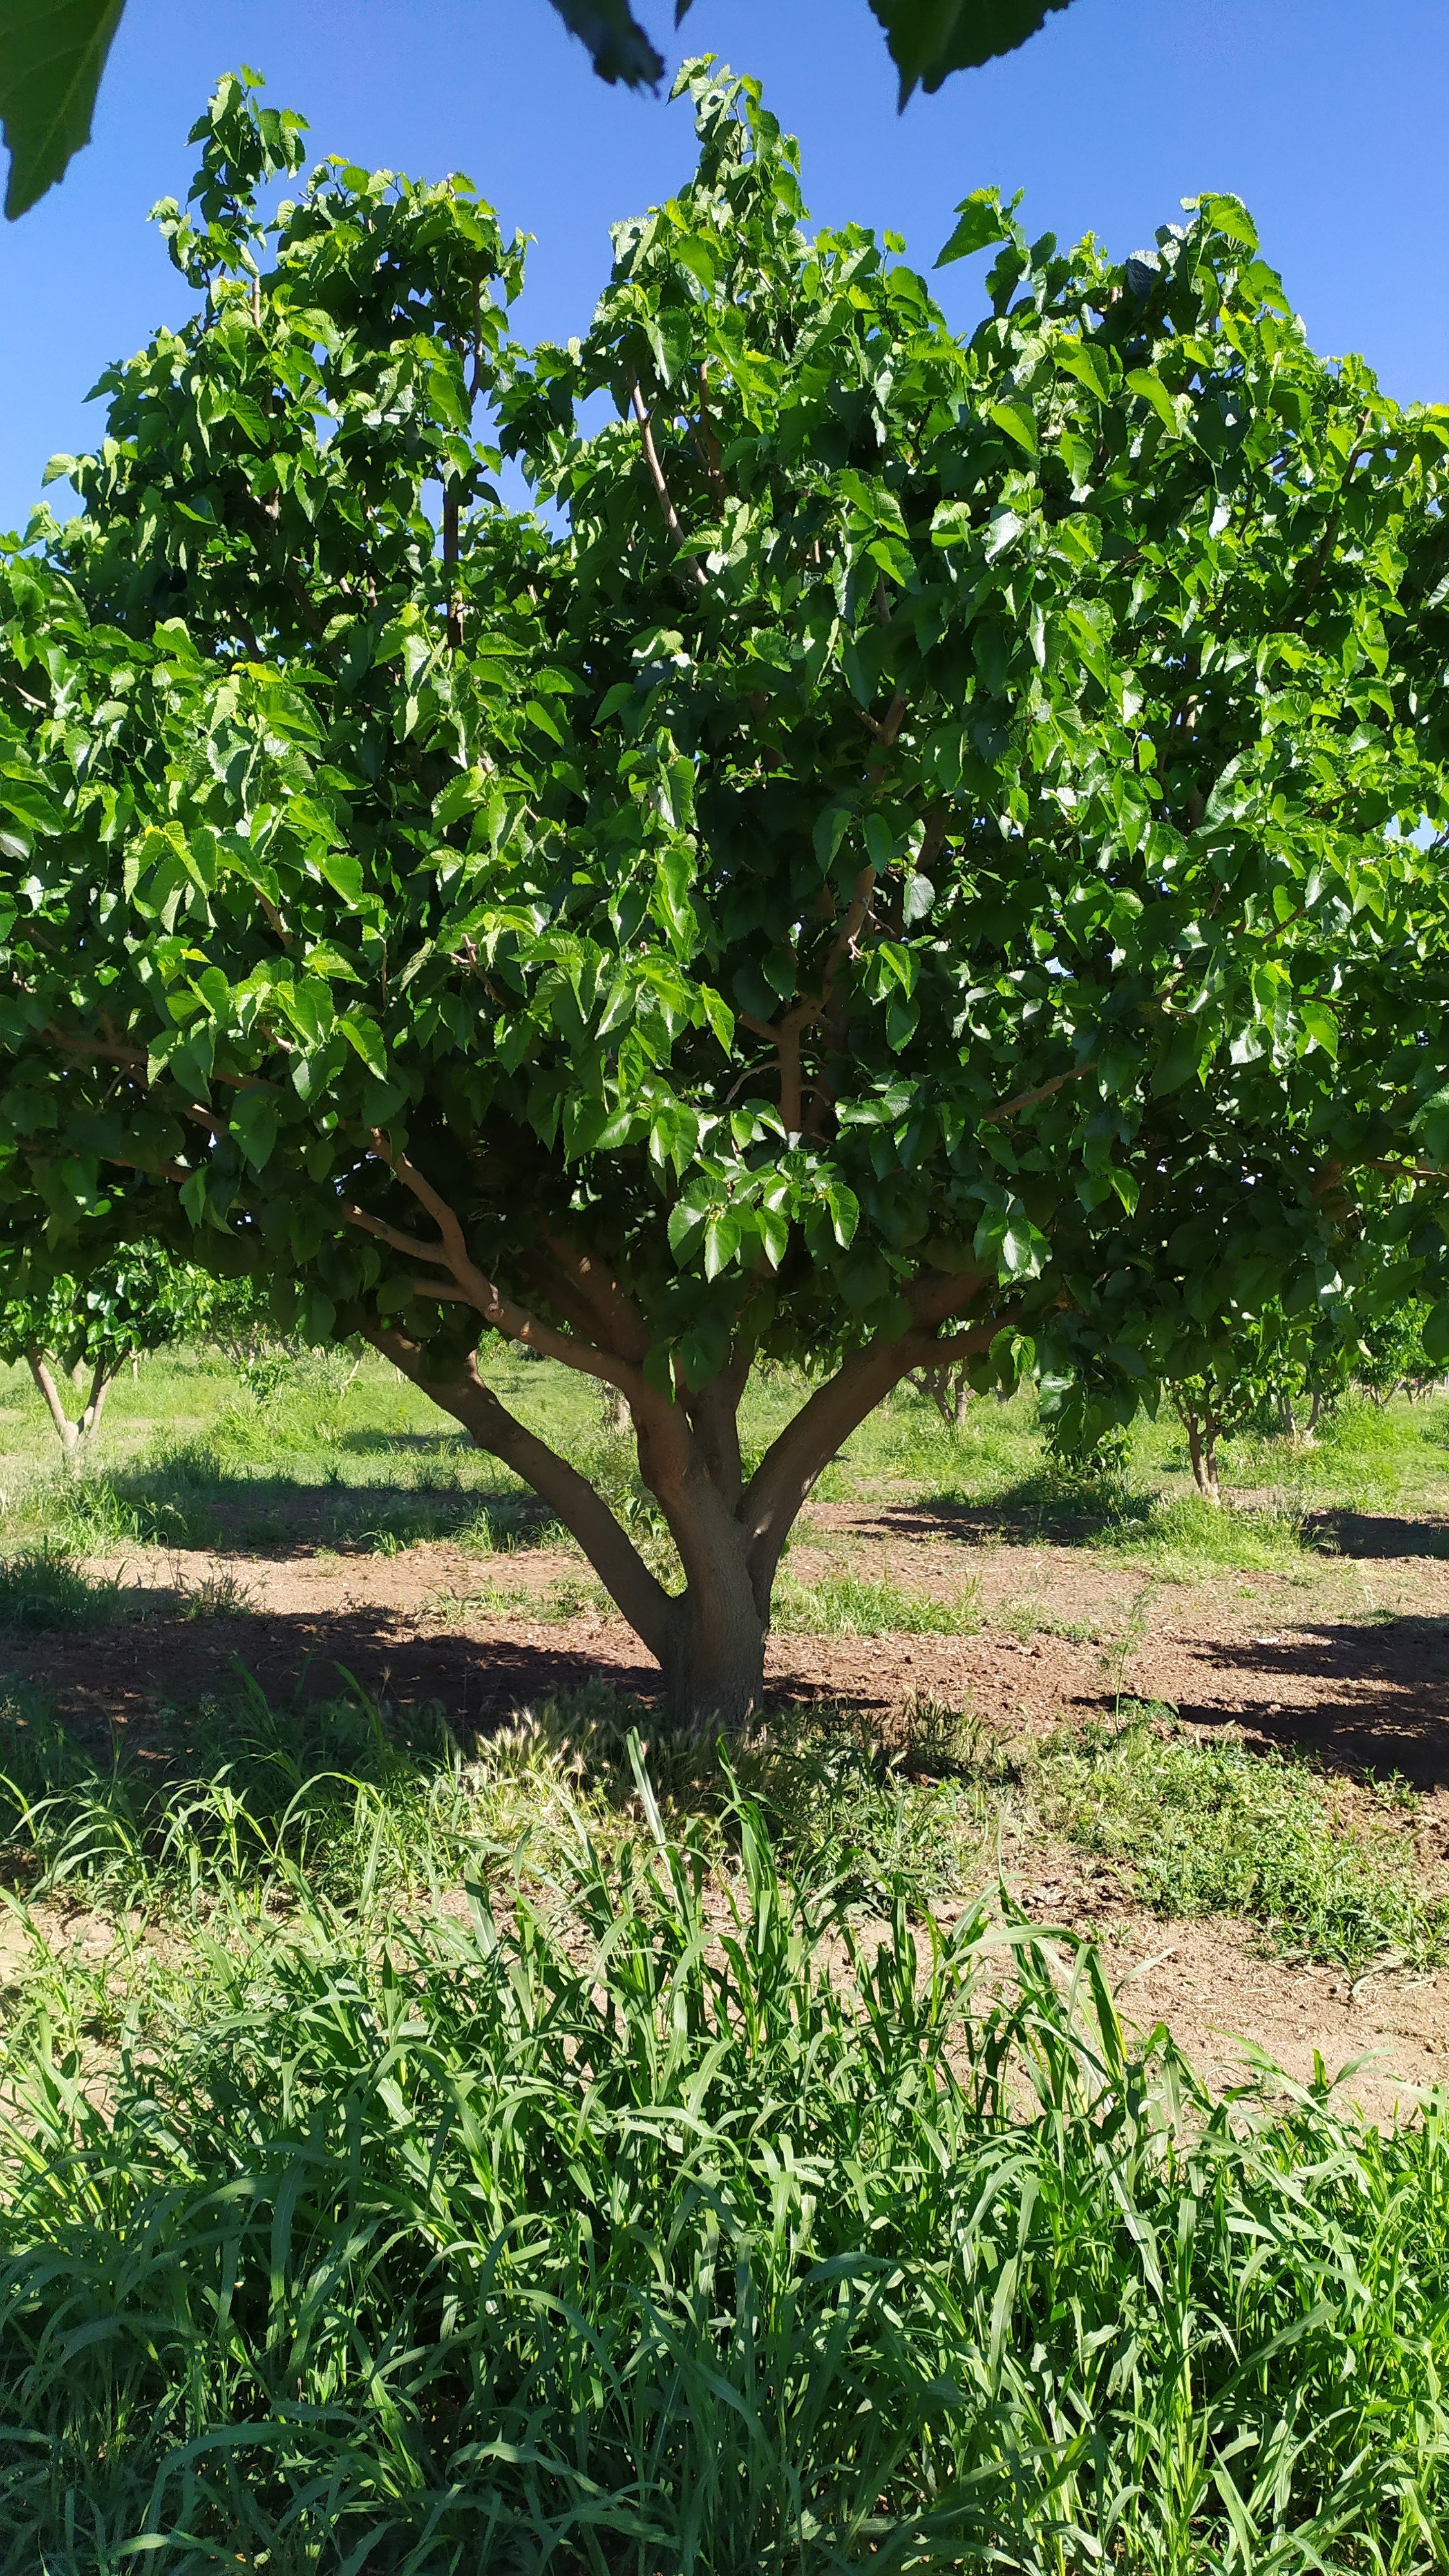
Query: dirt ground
x,y
1349,1659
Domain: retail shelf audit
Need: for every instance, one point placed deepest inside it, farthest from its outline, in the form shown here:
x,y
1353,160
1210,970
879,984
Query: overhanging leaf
x,y
619,48
51,60
930,39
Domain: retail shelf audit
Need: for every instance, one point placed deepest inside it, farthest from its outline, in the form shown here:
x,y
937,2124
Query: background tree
x,y
87,1327
53,52
911,859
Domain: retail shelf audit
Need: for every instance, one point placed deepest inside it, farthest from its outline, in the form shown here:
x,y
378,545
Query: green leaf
x,y
982,220
1142,381
1018,420
930,39
253,1125
52,54
344,874
365,1039
1436,1332
722,1236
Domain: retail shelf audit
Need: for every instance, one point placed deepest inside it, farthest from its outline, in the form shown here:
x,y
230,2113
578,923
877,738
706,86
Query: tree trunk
x,y
67,1432
949,1389
708,1638
1202,1449
72,1436
714,1664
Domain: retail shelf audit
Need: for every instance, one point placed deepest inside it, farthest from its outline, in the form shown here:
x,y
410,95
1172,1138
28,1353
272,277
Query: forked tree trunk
x,y
72,1433
949,1389
1202,1449
708,1638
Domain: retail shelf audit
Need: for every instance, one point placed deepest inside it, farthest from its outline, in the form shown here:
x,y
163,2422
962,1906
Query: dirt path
x,y
1350,1658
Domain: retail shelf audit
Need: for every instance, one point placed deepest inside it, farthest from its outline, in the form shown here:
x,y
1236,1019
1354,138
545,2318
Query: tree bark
x,y
714,1666
489,1424
66,1431
1202,1449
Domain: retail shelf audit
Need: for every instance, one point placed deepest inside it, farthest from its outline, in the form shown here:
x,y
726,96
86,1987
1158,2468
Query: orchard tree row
x,y
912,850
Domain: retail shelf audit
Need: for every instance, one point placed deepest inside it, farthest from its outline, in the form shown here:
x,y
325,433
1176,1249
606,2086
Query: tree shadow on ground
x,y
1340,1532
190,1500
1377,1695
150,1670
1036,1511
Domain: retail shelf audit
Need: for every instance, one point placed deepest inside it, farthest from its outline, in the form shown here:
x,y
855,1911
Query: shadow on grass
x,y
1341,1532
196,1499
1036,1511
130,1676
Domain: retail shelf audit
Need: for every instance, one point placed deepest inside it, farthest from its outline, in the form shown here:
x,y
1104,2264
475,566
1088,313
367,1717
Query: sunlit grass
x,y
843,1604
1218,1828
662,2223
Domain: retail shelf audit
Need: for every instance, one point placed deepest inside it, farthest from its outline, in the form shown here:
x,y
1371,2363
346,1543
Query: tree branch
x,y
488,1423
656,471
791,1464
473,1287
1029,1099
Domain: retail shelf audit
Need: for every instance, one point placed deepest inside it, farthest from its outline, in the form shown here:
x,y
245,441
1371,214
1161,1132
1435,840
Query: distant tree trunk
x,y
616,1410
72,1434
1202,1449
949,1389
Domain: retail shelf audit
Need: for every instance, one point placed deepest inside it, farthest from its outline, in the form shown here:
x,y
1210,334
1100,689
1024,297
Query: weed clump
x,y
47,1587
1220,1829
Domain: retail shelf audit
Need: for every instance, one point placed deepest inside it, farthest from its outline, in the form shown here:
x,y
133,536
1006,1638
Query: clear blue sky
x,y
1327,116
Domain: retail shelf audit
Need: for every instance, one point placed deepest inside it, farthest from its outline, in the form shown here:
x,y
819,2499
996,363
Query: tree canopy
x,y
921,847
87,1326
53,52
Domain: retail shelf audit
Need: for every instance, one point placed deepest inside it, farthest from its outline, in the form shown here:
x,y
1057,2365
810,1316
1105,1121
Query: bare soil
x,y
1346,1656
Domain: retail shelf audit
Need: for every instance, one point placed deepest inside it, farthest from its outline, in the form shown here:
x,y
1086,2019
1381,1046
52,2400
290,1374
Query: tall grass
x,y
659,2227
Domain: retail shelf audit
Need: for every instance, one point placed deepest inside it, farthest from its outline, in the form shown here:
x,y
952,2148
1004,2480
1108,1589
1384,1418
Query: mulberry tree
x,y
915,848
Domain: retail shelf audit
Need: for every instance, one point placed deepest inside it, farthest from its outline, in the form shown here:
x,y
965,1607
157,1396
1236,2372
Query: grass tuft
x,y
852,1605
46,1587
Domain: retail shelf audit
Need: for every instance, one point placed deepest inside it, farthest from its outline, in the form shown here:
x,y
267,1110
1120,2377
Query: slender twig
x,y
656,470
1029,1099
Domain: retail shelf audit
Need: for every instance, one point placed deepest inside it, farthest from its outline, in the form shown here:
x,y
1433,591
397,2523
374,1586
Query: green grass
x,y
613,2232
45,1587
1213,1828
1185,1537
191,1456
841,1604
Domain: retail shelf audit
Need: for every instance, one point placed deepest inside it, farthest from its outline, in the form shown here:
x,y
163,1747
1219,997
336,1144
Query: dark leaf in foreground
x,y
51,60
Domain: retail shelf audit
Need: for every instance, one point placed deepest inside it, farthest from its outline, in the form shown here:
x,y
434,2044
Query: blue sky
x,y
1325,115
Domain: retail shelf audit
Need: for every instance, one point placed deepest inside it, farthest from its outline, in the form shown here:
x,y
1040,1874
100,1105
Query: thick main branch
x,y
489,1424
789,1468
